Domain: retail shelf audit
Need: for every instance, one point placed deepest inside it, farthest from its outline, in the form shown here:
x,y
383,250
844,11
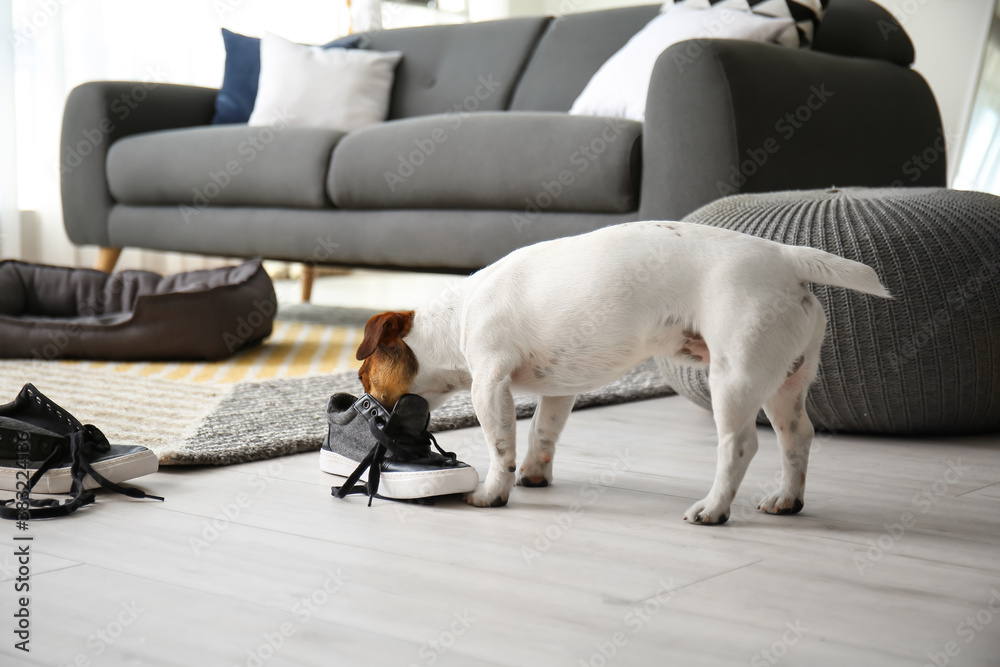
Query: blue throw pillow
x,y
235,100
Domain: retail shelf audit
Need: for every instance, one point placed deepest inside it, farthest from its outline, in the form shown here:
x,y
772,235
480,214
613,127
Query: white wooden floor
x,y
895,560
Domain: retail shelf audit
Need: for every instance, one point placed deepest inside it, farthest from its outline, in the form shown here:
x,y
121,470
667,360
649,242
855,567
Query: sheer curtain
x,y
10,241
58,44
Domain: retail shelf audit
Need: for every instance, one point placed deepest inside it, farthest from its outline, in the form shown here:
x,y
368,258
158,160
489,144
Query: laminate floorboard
x,y
257,564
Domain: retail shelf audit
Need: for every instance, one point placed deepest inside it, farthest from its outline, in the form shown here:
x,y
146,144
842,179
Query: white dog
x,y
567,316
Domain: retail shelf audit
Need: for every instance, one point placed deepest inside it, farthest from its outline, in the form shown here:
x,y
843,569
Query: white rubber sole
x,y
406,485
58,480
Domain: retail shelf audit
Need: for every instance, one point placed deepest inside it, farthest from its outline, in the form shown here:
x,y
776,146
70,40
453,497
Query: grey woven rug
x,y
205,424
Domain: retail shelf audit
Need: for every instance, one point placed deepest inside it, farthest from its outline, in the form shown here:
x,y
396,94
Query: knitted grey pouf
x,y
927,361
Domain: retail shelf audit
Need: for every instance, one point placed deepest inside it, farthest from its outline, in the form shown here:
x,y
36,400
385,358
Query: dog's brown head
x,y
389,364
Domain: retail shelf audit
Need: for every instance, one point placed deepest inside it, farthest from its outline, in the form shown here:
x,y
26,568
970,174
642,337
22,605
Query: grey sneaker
x,y
390,451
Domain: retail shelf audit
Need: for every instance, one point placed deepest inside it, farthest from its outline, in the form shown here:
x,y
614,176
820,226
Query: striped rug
x,y
265,402
298,347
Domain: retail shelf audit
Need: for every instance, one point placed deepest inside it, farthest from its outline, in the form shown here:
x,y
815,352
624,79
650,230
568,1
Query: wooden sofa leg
x,y
308,274
107,258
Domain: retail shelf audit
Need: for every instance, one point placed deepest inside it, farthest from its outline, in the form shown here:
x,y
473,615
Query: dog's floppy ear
x,y
382,330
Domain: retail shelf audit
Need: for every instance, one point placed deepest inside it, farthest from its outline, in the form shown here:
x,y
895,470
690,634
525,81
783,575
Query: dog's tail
x,y
817,266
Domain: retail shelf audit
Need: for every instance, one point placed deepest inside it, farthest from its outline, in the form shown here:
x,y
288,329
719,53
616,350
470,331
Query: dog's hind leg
x,y
546,425
735,403
494,406
787,412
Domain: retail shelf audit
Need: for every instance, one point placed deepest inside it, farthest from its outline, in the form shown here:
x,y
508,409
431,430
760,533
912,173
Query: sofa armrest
x,y
98,114
727,116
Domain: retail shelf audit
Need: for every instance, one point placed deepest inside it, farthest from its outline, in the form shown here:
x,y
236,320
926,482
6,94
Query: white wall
x,y
949,37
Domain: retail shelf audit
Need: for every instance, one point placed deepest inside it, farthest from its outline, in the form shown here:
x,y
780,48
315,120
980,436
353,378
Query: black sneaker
x,y
394,448
45,449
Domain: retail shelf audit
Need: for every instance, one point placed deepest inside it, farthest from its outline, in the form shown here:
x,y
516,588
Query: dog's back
x,y
674,262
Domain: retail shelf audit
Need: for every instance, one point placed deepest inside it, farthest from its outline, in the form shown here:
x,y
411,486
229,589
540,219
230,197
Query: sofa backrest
x,y
470,66
572,48
543,64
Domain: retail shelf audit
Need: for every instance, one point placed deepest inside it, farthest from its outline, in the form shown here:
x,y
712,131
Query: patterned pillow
x,y
805,13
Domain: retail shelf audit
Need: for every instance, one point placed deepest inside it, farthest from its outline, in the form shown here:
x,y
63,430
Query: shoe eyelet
x,y
366,405
38,400
379,422
31,393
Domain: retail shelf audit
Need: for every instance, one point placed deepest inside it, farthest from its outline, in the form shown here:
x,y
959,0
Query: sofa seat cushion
x,y
527,162
276,165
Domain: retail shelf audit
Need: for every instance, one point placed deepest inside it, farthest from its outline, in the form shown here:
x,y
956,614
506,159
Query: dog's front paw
x,y
535,473
781,503
706,513
483,497
494,492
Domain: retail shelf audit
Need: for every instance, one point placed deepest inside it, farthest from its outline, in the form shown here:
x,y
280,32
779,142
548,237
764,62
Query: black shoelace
x,y
408,447
79,447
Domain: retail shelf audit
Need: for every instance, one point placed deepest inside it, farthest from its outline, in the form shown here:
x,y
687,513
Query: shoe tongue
x,y
410,415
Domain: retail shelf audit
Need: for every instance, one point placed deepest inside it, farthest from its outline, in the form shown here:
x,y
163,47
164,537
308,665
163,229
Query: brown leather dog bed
x,y
49,312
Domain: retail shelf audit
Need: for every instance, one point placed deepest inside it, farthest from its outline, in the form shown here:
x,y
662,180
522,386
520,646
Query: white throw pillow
x,y
619,88
340,89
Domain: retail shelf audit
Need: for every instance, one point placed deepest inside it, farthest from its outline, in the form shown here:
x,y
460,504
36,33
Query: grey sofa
x,y
478,156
